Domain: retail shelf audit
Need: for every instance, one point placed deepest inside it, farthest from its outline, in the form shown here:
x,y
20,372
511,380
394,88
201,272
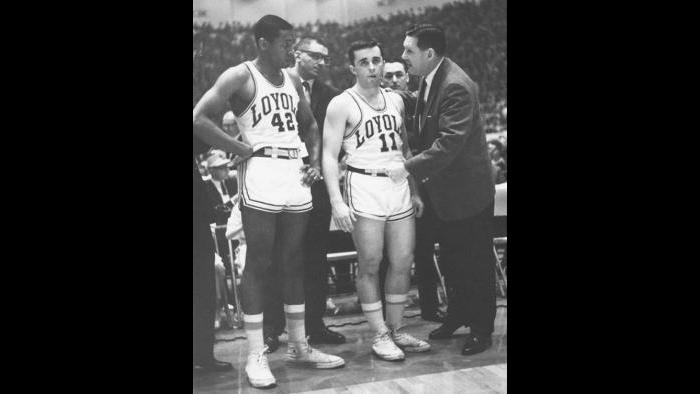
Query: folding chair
x,y
500,214
231,320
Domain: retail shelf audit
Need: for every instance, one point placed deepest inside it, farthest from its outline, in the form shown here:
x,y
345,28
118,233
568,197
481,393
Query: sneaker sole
x,y
261,384
398,358
409,349
308,364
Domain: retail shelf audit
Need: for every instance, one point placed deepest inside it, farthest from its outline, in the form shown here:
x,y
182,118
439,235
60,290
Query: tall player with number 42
x,y
367,123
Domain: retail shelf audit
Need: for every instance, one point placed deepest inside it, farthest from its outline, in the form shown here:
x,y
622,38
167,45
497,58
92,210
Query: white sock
x,y
373,313
253,326
294,315
395,305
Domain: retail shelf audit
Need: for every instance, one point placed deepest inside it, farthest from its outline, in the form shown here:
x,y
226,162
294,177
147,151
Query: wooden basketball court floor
x,y
442,370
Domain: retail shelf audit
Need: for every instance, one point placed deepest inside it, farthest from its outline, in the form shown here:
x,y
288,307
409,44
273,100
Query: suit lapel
x,y
434,86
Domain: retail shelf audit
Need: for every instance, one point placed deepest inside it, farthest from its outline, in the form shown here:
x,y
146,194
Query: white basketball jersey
x,y
270,118
375,141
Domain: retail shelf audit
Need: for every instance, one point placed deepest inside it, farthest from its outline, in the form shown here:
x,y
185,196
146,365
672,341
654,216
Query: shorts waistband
x,y
368,172
277,153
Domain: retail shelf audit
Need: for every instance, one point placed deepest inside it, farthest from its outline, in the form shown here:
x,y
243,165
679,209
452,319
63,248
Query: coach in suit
x,y
453,170
310,57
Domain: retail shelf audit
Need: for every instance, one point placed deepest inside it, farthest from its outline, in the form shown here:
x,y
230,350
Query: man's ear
x,y
352,69
431,53
263,44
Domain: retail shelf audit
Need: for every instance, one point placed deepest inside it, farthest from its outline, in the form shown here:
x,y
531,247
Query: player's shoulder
x,y
343,98
394,97
293,76
238,73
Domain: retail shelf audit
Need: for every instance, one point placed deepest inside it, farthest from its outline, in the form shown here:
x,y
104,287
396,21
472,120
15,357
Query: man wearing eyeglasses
x,y
311,56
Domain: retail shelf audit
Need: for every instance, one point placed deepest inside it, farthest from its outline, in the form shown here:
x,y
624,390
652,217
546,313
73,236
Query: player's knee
x,y
369,266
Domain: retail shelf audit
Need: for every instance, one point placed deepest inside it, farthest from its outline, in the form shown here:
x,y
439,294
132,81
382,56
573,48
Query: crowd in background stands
x,y
476,40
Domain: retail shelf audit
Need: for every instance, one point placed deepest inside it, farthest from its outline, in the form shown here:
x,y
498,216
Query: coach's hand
x,y
343,216
310,174
397,172
418,205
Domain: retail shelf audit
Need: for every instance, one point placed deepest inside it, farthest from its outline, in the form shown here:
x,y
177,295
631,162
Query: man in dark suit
x,y
310,57
454,171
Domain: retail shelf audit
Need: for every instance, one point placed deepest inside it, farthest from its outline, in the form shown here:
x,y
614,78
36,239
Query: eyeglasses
x,y
317,56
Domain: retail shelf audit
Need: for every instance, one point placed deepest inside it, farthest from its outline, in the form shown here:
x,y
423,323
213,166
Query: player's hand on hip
x,y
418,205
310,175
397,172
343,216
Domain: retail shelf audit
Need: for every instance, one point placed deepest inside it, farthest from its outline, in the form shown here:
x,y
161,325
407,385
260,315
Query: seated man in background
x,y
221,189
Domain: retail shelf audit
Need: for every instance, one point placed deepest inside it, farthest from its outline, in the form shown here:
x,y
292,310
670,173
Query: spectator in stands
x,y
479,26
498,164
229,125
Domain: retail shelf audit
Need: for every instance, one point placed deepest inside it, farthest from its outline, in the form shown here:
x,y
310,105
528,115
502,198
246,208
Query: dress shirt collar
x,y
429,79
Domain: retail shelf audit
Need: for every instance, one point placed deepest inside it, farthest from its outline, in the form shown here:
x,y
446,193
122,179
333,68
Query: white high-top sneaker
x,y
306,356
258,370
385,348
409,343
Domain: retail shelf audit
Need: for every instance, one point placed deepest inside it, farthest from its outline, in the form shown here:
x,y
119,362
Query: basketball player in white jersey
x,y
275,198
367,123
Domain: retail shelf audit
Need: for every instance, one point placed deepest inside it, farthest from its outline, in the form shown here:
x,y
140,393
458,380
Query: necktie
x,y
224,191
421,103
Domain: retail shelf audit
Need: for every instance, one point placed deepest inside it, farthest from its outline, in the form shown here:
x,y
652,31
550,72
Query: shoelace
x,y
403,335
384,337
261,357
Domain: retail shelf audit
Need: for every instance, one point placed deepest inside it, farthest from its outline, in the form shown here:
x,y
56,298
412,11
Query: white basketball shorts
x,y
273,185
377,197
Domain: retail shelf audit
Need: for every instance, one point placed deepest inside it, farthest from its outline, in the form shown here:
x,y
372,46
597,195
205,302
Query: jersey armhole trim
x,y
357,126
255,92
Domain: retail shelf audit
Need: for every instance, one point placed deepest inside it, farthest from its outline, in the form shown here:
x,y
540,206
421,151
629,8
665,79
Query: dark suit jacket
x,y
215,199
321,95
453,166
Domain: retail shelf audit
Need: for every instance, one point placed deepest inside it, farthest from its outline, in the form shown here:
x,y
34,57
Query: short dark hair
x,y
362,44
397,60
429,36
306,40
269,27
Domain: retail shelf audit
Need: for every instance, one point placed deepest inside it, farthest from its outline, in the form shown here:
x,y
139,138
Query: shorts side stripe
x,y
401,215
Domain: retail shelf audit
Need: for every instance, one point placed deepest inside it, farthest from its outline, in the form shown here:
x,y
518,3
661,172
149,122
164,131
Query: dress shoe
x,y
445,331
436,316
325,335
476,344
212,365
272,342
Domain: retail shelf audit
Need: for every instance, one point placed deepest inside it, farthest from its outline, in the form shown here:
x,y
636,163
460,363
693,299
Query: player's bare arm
x,y
310,135
213,102
333,130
